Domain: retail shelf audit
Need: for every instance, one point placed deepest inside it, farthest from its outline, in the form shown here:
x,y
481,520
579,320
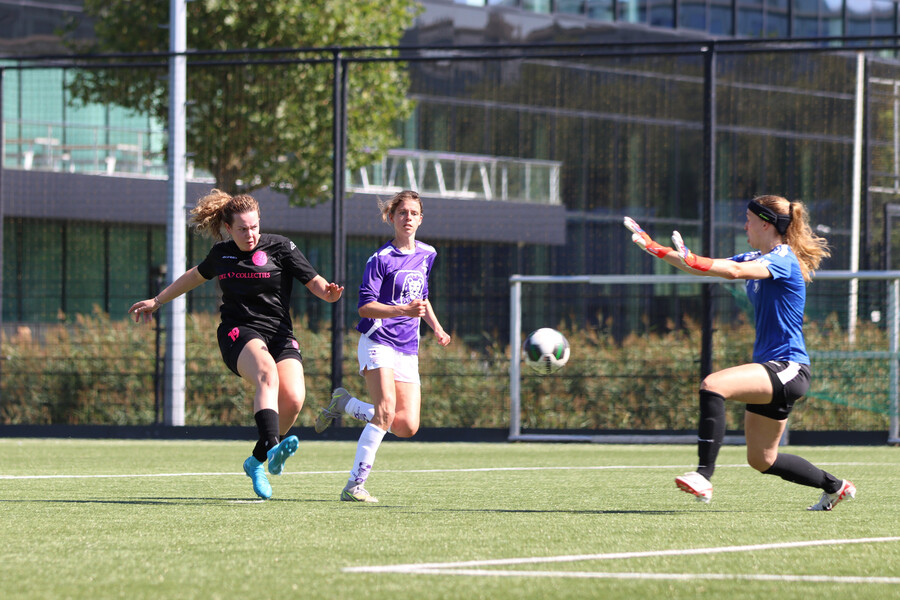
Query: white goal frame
x,y
515,343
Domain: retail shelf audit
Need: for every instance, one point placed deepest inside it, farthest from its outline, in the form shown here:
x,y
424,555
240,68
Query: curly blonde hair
x,y
217,209
809,247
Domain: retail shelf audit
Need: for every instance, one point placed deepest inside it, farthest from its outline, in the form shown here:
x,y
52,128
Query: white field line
x,y
661,576
477,567
618,555
420,471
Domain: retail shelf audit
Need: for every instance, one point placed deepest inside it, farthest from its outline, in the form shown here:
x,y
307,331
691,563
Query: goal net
x,y
636,348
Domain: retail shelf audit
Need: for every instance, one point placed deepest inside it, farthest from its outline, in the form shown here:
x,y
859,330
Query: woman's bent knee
x,y
404,430
760,462
290,404
267,378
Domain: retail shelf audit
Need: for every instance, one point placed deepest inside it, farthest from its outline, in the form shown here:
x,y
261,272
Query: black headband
x,y
768,215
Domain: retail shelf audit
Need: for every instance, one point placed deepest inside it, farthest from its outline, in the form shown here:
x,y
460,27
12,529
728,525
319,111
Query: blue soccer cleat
x,y
257,474
280,453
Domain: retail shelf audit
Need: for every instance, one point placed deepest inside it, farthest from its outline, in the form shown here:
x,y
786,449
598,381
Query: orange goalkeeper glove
x,y
642,239
701,263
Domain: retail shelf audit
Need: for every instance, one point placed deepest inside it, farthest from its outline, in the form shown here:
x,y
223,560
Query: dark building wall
x,y
45,195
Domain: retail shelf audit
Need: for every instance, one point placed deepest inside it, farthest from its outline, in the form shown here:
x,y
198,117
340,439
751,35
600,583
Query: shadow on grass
x,y
173,501
199,501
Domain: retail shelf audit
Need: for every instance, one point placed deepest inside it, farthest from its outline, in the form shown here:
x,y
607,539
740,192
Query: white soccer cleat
x,y
829,501
335,409
696,484
357,493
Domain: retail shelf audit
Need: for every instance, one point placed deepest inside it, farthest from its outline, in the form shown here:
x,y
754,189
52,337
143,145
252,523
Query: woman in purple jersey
x,y
787,253
393,299
256,273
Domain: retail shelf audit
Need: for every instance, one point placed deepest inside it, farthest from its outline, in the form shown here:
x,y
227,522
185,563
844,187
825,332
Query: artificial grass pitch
x,y
161,519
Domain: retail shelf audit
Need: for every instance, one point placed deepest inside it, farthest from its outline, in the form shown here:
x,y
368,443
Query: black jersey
x,y
256,285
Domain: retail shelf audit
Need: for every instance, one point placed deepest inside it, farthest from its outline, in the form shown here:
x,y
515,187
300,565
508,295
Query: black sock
x,y
267,425
799,470
710,431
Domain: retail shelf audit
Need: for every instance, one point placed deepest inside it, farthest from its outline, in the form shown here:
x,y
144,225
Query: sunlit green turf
x,y
157,519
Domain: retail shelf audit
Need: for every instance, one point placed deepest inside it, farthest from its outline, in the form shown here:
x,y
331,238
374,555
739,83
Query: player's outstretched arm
x,y
718,267
644,241
144,309
325,290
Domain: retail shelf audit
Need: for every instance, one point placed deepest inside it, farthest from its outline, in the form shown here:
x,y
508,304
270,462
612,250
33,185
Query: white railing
x,y
466,176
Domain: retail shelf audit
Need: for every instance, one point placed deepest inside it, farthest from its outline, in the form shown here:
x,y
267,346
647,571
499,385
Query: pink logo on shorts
x,y
233,334
295,344
259,258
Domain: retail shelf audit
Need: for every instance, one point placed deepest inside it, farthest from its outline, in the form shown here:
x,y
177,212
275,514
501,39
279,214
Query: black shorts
x,y
790,382
232,340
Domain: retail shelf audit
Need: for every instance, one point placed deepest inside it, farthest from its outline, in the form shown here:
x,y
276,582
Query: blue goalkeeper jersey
x,y
778,304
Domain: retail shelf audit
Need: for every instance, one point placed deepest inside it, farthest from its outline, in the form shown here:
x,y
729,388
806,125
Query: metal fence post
x,y
339,241
893,335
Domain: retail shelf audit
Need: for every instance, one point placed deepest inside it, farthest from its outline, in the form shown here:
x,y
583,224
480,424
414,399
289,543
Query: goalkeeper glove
x,y
701,263
642,239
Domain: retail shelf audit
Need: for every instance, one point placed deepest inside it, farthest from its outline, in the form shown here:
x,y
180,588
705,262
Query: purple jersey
x,y
256,286
394,277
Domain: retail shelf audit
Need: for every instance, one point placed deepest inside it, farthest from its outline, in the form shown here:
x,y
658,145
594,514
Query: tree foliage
x,y
258,119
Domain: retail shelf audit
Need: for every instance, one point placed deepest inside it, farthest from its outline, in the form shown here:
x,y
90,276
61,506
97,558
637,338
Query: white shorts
x,y
372,355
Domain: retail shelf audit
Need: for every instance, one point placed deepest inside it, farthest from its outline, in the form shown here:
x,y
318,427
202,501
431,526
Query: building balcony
x,y
462,176
107,151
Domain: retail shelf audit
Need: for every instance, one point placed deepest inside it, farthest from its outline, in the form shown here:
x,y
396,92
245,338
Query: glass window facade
x,y
752,18
721,18
693,14
662,13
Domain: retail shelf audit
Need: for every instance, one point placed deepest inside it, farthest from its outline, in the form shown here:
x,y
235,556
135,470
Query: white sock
x,y
359,410
369,440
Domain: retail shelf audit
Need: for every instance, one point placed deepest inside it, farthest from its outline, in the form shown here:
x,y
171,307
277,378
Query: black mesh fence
x,y
527,160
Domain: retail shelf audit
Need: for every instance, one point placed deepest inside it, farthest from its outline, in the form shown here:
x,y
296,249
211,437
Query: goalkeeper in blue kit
x,y
786,254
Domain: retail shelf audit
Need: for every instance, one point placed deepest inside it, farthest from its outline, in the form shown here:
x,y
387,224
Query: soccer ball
x,y
546,350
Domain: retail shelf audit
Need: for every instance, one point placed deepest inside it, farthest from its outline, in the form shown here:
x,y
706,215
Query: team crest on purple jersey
x,y
410,285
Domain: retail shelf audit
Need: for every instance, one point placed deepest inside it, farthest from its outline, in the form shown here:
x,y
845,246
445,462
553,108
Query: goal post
x,y
844,361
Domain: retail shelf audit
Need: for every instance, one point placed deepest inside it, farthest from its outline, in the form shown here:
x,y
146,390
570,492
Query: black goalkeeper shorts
x,y
790,382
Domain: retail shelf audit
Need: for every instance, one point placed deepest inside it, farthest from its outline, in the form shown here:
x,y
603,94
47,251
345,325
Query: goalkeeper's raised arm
x,y
727,268
650,246
682,258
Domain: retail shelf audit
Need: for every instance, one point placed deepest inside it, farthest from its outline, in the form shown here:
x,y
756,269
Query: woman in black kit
x,y
256,272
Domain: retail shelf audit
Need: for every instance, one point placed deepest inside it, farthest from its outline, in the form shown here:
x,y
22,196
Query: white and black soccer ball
x,y
546,350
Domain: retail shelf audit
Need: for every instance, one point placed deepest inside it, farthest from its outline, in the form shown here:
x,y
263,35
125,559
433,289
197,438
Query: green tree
x,y
263,119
